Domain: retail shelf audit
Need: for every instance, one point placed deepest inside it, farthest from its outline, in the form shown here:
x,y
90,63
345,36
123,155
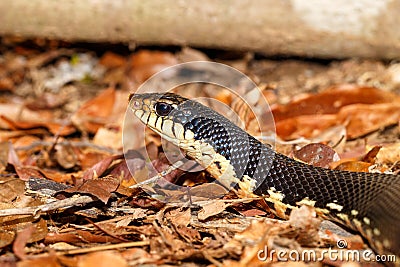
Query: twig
x,y
159,231
77,199
107,247
59,204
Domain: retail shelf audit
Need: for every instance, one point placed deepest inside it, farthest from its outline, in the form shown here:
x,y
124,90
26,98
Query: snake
x,y
366,203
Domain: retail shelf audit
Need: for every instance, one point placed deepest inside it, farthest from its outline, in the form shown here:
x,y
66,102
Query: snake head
x,y
202,133
163,113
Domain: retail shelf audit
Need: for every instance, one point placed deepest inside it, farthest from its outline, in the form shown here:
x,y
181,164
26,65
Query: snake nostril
x,y
136,104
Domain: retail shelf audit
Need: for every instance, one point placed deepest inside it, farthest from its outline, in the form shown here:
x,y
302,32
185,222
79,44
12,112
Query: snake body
x,y
368,203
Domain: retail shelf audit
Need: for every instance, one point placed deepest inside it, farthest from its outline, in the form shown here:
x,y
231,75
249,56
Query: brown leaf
x,y
102,259
10,188
211,209
20,201
108,137
179,216
48,261
57,176
79,237
256,231
362,119
371,155
24,173
99,168
189,234
7,135
32,232
89,158
163,163
6,237
359,120
54,128
253,213
354,166
389,154
112,60
21,240
332,100
138,256
94,113
26,155
100,106
121,170
147,203
207,191
100,188
304,126
361,109
145,63
316,154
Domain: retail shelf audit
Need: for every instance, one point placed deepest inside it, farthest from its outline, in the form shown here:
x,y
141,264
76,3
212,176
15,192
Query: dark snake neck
x,y
367,199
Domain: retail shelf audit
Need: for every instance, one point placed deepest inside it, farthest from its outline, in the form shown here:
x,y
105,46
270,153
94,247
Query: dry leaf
x,y
100,188
304,126
389,154
179,216
48,261
10,188
25,173
108,137
95,112
315,154
100,167
354,166
102,259
371,155
6,237
305,220
361,109
79,237
211,209
54,128
332,100
21,240
362,119
112,60
145,63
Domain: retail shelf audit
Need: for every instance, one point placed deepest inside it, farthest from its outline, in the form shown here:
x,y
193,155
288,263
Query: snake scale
x,y
368,203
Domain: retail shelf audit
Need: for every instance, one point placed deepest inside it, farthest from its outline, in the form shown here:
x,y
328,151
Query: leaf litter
x,y
67,196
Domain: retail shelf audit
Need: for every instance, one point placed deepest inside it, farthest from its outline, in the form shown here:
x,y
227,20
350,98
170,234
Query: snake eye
x,y
162,109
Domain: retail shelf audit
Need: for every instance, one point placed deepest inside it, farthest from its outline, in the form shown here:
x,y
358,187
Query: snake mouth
x,y
171,139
